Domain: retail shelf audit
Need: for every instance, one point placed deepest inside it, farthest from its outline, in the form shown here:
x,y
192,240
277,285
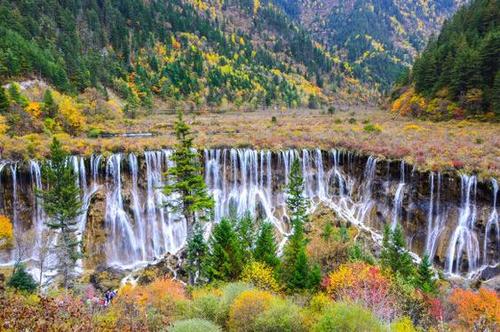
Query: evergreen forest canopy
x,y
458,73
378,39
175,50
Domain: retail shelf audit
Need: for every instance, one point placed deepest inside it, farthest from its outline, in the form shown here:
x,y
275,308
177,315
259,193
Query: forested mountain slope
x,y
208,52
458,73
377,37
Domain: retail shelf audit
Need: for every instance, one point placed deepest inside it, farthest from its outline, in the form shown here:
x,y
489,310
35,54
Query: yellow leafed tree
x,y
72,118
256,6
6,233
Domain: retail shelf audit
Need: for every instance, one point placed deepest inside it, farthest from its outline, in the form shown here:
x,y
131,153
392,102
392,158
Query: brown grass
x,y
464,145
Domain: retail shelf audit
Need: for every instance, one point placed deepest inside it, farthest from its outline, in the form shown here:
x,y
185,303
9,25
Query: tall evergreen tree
x,y
4,101
62,204
224,261
295,269
296,204
186,181
197,251
425,277
394,255
265,246
246,234
495,93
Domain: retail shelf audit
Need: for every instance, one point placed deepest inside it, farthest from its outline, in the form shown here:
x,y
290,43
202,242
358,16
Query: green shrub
x,y
94,133
207,307
347,317
232,290
22,280
331,110
281,316
352,120
372,128
194,325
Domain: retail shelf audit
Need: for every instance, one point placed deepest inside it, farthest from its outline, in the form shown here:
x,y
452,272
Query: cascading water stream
x,y
435,217
492,223
398,198
121,243
38,214
464,239
141,228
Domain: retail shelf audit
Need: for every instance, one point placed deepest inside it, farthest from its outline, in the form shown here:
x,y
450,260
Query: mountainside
x,y
458,73
377,37
206,52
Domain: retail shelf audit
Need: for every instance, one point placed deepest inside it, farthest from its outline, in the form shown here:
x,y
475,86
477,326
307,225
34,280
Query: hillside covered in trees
x,y
378,38
206,52
458,73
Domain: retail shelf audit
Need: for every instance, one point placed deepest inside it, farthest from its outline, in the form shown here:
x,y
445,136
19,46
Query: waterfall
x,y
492,223
435,217
136,206
398,205
121,243
38,215
366,190
464,239
248,187
141,226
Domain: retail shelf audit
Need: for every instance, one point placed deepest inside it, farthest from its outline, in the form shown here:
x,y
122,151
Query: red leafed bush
x,y
363,284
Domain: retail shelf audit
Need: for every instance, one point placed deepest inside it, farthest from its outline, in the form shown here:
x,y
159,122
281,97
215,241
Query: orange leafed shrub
x,y
131,310
6,232
155,294
477,310
246,307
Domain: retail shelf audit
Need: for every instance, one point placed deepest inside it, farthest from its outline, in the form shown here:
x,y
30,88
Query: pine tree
x,y
394,255
50,108
185,178
297,205
425,277
495,95
265,246
4,101
225,255
295,271
197,251
16,95
246,235
299,272
22,280
62,204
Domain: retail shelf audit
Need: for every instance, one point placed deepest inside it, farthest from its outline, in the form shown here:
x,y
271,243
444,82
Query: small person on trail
x,y
109,295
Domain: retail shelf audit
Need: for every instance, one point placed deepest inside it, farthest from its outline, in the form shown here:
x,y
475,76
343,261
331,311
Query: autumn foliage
x,y
364,284
477,310
261,276
246,307
6,232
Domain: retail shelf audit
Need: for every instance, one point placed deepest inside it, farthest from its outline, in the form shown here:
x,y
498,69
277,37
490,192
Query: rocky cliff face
x,y
451,218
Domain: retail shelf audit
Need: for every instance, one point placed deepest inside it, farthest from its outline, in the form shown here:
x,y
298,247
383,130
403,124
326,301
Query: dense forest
x,y
174,50
458,73
378,38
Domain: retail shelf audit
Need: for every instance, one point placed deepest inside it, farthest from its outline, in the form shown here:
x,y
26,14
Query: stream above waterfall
x,y
125,224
